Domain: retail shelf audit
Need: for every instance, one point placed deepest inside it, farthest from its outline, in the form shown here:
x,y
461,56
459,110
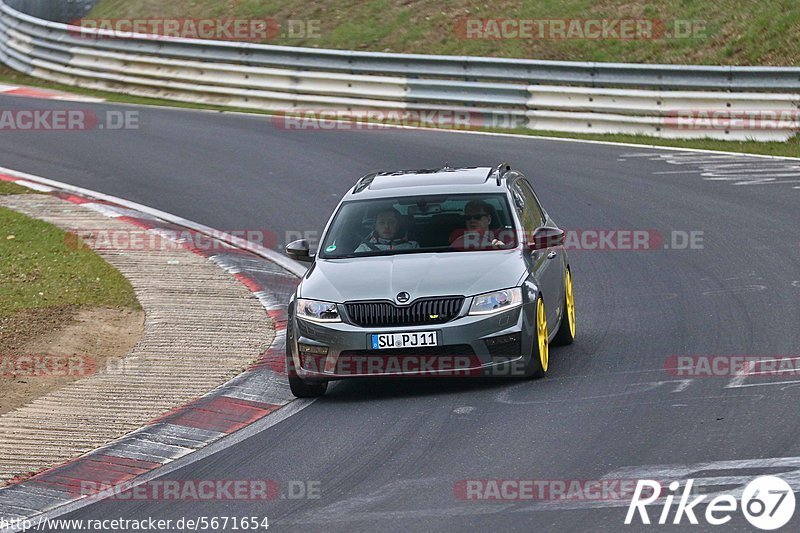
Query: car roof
x,y
426,181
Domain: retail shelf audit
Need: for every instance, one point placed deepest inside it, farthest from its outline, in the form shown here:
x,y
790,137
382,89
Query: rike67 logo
x,y
767,502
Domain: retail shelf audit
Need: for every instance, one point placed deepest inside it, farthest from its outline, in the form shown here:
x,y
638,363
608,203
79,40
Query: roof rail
x,y
500,170
365,182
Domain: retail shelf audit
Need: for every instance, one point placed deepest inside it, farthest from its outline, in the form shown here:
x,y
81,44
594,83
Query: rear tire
x,y
566,330
539,360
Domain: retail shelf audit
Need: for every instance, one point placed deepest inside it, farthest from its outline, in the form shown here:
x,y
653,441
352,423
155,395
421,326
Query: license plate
x,y
382,341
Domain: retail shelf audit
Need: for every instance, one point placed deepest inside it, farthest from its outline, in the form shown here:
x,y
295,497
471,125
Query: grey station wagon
x,y
446,272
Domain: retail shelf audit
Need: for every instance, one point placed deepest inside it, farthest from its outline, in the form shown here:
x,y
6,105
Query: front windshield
x,y
414,224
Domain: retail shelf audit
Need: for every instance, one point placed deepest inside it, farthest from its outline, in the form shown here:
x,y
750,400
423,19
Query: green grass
x,y
12,188
790,148
737,32
39,269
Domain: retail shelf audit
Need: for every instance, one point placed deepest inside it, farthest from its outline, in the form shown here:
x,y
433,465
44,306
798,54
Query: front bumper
x,y
469,346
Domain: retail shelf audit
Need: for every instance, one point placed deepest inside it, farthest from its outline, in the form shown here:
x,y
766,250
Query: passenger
x,y
387,235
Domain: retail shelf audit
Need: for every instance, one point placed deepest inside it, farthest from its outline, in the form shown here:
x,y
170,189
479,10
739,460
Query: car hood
x,y
419,274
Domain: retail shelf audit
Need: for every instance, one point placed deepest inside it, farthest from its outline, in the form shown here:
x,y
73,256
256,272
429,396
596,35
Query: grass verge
x,y
59,302
790,148
38,269
6,187
723,32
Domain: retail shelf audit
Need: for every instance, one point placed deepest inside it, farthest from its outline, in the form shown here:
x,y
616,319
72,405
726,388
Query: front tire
x,y
539,360
304,389
566,330
300,388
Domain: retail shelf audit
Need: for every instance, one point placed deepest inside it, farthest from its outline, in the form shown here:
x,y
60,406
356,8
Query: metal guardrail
x,y
542,95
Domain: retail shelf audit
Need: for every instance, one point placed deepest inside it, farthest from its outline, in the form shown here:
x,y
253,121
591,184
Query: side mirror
x,y
298,250
546,237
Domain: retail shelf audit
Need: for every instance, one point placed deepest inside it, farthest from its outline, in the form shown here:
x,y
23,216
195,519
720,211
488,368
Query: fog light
x,y
502,339
504,347
312,349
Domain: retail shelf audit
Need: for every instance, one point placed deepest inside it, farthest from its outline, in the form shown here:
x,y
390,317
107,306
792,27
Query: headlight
x,y
317,311
495,302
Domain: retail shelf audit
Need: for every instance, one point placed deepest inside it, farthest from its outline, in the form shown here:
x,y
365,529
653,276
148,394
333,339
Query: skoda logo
x,y
403,297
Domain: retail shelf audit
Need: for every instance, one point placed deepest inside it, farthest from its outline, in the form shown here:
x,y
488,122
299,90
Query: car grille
x,y
421,312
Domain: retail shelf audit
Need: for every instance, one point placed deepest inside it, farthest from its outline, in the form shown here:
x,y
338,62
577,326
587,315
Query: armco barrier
x,y
547,95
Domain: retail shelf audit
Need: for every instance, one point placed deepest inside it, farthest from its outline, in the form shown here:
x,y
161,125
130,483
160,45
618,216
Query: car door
x,y
546,265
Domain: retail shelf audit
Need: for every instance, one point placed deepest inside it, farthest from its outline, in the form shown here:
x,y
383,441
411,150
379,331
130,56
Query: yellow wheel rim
x,y
570,304
541,333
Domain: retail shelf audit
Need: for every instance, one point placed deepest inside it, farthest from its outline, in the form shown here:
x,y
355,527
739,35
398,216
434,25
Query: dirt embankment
x,y
41,350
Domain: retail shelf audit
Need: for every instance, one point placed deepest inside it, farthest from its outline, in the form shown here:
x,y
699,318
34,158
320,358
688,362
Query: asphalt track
x,y
387,455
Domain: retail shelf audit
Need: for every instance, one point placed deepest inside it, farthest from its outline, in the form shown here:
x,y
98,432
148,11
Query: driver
x,y
478,234
387,234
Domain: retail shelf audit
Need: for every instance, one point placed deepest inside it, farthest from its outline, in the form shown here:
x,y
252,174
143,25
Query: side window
x,y
529,222
531,203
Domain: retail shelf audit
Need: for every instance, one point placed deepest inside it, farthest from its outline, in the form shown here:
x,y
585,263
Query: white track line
x,y
225,442
292,266
292,408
